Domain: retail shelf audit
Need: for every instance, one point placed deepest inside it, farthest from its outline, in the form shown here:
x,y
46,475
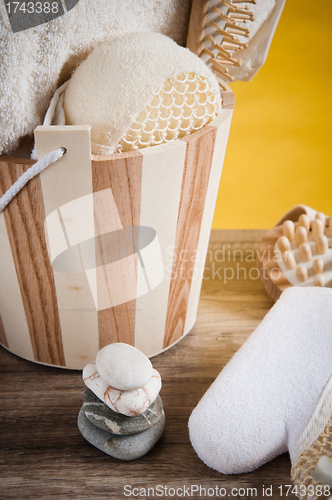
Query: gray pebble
x,y
108,420
121,447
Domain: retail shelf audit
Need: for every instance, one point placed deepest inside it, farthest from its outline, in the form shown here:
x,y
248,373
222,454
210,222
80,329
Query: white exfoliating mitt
x,y
138,90
275,395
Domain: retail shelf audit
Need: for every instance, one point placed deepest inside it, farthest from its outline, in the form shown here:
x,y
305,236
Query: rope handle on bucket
x,y
35,169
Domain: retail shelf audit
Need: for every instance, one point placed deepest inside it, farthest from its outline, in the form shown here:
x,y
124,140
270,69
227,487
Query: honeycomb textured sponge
x,y
140,90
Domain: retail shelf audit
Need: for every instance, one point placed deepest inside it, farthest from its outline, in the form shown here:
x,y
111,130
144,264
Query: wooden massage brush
x,y
214,31
296,254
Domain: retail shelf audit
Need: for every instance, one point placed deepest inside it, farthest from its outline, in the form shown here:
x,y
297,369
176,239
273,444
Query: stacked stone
x,y
122,413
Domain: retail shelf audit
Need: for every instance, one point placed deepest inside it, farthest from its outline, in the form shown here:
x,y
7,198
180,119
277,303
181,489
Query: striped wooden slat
x,y
223,125
161,192
123,175
11,304
3,337
24,218
193,193
67,180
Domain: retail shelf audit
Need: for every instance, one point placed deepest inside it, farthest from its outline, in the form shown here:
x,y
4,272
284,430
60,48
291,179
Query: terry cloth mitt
x,y
275,395
35,62
141,89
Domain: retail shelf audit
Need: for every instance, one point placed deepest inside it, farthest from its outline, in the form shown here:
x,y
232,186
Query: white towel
x,y
35,62
261,402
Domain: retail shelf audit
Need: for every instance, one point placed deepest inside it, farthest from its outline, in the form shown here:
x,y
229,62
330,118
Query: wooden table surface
x,y
43,455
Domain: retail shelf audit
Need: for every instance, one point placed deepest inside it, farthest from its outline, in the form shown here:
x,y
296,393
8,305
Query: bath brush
x,y
233,36
140,90
297,253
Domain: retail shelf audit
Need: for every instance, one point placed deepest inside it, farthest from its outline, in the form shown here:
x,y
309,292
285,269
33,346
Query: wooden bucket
x,y
49,316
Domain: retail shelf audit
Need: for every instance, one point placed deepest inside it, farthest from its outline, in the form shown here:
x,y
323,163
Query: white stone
x,y
128,403
123,366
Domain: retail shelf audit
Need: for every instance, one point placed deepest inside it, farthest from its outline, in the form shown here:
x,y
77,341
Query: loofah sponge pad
x,y
140,90
180,106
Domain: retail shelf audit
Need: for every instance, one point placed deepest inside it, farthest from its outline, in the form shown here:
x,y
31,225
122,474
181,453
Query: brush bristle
x,y
223,27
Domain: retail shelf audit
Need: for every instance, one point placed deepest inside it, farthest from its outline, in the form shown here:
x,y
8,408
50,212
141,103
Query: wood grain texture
x,y
211,198
69,181
3,338
197,23
13,318
161,192
124,177
44,457
195,182
227,96
24,218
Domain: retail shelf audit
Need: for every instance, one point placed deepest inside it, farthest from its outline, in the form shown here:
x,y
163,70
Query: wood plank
x,y
195,182
3,337
70,181
223,123
24,218
40,460
13,318
124,177
161,192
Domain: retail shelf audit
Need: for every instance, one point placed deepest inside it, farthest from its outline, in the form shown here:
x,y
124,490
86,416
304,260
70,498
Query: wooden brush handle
x,y
197,23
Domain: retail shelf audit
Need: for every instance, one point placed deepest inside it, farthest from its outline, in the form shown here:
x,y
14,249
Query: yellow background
x,y
279,149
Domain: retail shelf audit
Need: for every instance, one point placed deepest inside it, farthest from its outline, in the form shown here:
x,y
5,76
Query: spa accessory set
x,y
130,140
